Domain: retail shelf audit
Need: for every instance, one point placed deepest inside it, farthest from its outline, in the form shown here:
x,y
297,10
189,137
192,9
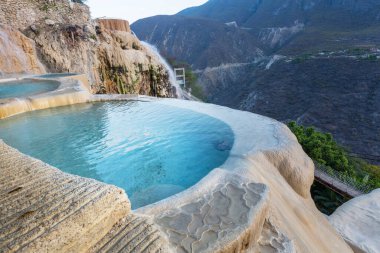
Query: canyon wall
x,y
67,40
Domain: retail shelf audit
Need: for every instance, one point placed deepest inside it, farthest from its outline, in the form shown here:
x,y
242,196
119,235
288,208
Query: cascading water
x,y
172,78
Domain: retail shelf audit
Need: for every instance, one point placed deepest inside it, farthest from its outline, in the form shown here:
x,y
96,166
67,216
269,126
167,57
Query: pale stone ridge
x,y
358,221
45,210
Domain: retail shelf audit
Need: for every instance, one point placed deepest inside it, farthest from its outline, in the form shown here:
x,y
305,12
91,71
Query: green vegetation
x,y
48,6
302,58
358,51
191,78
371,57
324,150
93,36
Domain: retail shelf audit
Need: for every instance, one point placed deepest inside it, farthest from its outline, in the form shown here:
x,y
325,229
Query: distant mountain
x,y
315,61
276,26
198,41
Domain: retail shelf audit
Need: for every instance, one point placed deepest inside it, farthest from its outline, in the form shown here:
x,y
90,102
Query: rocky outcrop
x,y
114,25
358,221
24,13
17,53
67,40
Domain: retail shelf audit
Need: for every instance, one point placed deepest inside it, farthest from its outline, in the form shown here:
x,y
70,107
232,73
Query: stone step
x,y
132,234
45,210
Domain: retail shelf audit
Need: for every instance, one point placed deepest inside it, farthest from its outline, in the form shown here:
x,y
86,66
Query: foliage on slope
x,y
323,149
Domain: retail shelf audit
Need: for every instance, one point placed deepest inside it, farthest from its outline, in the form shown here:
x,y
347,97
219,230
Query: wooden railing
x,y
339,182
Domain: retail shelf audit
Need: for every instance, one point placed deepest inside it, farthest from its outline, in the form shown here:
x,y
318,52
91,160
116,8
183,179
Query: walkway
x,y
335,184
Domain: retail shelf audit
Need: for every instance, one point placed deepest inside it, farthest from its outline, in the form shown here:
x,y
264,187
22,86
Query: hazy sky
x,y
133,10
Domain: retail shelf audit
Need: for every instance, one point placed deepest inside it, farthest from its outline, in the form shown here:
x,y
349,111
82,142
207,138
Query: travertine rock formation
x,y
115,25
67,40
228,218
358,221
17,53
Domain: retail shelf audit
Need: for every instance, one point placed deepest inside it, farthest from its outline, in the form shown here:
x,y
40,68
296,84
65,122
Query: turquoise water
x,y
57,75
25,88
151,150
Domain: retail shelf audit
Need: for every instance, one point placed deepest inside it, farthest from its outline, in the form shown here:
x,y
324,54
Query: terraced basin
x,y
25,88
57,75
151,150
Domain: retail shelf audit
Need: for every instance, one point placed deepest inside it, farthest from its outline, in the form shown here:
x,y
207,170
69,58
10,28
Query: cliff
x,y
67,40
17,53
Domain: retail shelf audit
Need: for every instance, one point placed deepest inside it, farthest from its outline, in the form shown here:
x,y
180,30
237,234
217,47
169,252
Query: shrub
x,y
323,149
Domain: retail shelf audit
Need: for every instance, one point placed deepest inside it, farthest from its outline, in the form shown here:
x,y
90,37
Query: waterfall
x,y
172,78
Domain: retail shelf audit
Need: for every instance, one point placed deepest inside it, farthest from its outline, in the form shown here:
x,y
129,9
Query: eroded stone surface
x,y
358,221
17,53
132,234
45,210
272,240
227,219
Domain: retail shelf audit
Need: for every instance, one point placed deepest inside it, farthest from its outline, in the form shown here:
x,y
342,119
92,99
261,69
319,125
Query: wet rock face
x,y
17,53
68,41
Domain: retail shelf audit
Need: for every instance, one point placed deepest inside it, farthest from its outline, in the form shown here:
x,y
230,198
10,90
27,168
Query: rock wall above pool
x,y
17,53
21,14
67,40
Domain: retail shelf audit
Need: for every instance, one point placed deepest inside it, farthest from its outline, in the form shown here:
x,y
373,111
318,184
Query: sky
x,y
133,10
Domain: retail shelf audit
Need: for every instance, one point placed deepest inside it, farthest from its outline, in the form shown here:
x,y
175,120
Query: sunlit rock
x,y
358,221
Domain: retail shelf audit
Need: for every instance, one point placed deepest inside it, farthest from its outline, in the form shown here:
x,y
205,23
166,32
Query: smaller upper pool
x,y
25,88
57,75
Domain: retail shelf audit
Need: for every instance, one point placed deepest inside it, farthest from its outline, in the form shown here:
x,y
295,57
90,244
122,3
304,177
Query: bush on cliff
x,y
324,150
